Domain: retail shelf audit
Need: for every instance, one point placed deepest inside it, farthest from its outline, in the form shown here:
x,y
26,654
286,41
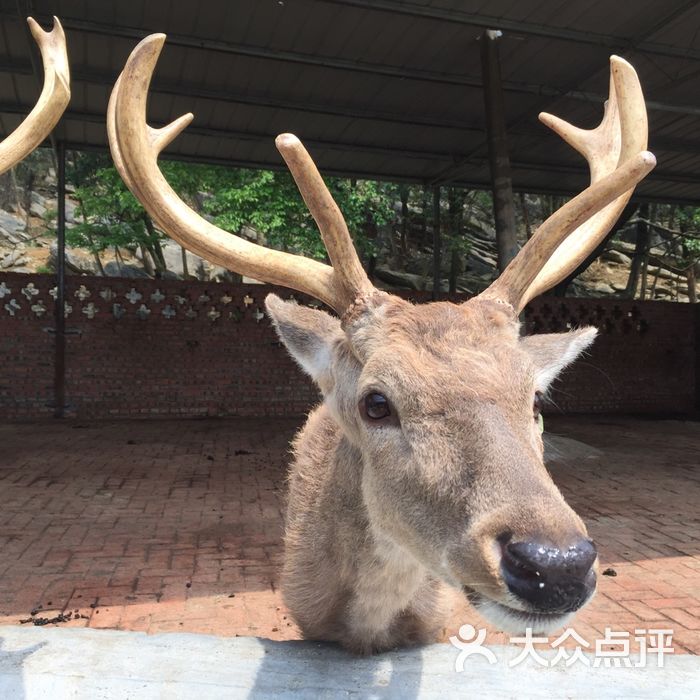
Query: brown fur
x,y
381,519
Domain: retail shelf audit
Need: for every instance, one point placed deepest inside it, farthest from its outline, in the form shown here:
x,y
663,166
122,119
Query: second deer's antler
x,y
52,102
616,155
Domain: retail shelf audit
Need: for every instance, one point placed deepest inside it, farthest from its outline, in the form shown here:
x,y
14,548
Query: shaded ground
x,y
176,525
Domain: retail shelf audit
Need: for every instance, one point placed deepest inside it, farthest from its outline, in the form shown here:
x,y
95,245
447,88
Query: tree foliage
x,y
234,198
388,222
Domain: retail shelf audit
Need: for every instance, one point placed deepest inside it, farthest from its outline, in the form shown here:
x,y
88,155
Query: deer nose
x,y
550,579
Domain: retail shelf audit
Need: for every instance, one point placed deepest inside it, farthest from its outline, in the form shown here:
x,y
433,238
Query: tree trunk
x,y
154,248
98,262
185,270
640,252
645,268
526,216
692,292
28,187
437,244
91,240
403,248
654,283
146,258
671,215
455,208
9,192
499,160
424,227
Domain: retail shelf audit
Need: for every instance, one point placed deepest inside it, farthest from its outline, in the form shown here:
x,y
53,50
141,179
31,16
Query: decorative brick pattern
x,y
159,348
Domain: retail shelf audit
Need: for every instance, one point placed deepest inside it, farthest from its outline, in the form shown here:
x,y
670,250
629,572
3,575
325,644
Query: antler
x,y
616,155
135,148
52,102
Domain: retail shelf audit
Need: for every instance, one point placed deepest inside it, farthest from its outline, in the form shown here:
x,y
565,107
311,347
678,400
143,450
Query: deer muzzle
x,y
550,579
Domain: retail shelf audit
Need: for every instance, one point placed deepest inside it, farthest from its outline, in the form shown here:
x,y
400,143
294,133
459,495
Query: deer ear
x,y
309,336
551,352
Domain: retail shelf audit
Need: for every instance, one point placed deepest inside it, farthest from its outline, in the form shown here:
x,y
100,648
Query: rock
x,y
617,257
12,258
251,234
479,263
250,280
12,228
71,217
13,238
36,198
629,248
37,210
396,278
75,263
602,288
11,223
661,273
115,269
222,274
172,255
37,205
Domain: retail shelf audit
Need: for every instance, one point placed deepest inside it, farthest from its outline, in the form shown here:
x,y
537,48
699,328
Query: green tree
x,y
266,201
270,203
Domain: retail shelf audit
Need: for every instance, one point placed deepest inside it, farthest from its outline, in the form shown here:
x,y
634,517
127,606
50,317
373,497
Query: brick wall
x,y
155,347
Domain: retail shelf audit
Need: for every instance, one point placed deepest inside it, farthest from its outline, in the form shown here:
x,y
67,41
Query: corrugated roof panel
x,y
251,69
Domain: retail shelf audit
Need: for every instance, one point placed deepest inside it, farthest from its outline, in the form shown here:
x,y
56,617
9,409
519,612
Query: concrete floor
x,y
62,664
175,526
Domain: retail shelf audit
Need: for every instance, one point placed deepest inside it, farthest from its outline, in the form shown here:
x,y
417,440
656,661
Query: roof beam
x,y
229,134
174,89
389,176
86,75
475,19
96,118
399,72
138,33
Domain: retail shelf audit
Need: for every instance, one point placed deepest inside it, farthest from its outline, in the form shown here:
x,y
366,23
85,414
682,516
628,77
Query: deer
x,y
422,470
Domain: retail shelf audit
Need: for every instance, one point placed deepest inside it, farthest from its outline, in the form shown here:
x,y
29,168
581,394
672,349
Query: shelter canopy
x,y
376,88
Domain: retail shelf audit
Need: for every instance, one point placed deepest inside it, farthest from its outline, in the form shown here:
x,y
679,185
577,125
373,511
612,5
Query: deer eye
x,y
377,406
537,405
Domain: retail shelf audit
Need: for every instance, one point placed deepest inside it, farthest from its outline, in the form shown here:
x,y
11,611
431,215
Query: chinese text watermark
x,y
612,650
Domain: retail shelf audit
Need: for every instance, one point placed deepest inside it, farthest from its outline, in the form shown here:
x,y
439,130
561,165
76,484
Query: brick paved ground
x,y
172,526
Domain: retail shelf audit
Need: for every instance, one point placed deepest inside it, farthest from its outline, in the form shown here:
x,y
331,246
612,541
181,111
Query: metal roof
x,y
383,88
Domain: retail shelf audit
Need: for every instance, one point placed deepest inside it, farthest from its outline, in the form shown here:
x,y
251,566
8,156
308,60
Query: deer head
x,y
52,102
441,400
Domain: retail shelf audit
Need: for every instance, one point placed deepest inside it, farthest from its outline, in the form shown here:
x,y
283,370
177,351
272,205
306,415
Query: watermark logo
x,y
613,650
469,642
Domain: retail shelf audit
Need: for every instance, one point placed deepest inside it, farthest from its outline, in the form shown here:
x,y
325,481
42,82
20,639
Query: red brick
x,y
153,558
683,617
149,368
661,603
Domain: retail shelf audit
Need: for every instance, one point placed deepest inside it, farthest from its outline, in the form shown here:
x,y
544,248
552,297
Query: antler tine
x,y
52,102
350,278
615,151
135,148
517,282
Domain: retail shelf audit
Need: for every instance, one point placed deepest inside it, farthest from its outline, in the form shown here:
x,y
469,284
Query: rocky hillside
x,y
27,244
